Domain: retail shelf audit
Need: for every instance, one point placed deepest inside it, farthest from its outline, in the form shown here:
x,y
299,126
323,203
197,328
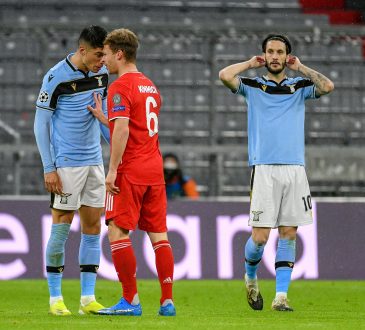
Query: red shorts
x,y
140,205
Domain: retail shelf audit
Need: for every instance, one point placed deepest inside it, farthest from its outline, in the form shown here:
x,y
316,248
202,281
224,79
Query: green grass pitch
x,y
207,304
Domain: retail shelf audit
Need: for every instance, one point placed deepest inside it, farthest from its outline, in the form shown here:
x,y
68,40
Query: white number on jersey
x,y
151,116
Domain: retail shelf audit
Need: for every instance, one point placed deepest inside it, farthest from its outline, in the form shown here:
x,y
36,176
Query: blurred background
x,y
183,46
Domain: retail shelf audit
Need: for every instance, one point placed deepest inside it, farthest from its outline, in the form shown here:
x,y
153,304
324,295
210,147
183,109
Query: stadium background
x,y
183,46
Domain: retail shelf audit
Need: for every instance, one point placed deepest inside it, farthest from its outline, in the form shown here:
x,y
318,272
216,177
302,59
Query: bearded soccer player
x,y
135,184
68,139
280,196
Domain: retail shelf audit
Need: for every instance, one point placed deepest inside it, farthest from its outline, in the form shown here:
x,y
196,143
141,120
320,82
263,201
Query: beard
x,y
275,71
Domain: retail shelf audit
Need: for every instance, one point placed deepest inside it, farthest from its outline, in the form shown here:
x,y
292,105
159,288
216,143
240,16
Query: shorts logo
x,y
117,99
73,85
256,215
64,198
264,88
43,97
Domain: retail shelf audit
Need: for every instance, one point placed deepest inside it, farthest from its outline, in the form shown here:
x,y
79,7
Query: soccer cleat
x,y
91,308
59,308
167,310
123,307
281,304
254,297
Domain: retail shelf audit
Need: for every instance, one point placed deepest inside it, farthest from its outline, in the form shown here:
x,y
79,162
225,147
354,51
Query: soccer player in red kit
x,y
135,184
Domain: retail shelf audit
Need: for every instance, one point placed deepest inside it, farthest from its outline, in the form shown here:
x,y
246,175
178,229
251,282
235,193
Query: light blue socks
x,y
253,255
284,263
55,257
89,259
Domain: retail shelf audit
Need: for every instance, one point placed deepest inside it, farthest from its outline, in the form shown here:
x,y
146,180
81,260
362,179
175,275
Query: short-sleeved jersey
x,y
75,132
276,115
135,97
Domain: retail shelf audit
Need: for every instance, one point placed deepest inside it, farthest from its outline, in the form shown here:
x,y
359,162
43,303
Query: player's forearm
x,y
103,120
322,83
42,136
119,143
229,75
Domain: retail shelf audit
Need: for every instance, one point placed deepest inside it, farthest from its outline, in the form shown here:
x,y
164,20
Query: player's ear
x,y
120,54
82,49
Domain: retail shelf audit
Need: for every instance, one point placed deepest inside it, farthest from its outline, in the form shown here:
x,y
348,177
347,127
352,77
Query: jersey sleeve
x,y
45,100
309,89
242,87
119,103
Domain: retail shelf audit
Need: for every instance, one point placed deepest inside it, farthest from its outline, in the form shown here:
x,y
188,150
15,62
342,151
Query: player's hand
x,y
293,63
110,182
53,183
97,111
257,62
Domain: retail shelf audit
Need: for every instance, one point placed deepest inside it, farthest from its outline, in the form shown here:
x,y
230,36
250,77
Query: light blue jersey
x,y
74,132
276,119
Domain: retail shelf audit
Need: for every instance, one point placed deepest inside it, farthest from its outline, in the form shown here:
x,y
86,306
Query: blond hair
x,y
125,40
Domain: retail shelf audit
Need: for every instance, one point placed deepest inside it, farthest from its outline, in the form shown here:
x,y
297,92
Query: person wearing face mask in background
x,y
177,184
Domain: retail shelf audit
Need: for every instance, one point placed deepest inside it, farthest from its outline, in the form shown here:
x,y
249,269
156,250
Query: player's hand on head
x,y
257,62
110,183
53,183
293,63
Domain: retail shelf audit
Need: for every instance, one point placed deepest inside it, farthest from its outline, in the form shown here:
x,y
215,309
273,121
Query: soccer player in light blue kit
x,y
280,196
68,139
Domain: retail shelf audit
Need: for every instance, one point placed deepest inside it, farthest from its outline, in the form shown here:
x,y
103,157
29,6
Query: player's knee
x,y
289,233
260,238
62,216
116,233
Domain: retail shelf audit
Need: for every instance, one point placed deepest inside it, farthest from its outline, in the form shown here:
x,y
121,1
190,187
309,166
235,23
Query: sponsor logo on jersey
x,y
118,108
50,77
256,215
148,89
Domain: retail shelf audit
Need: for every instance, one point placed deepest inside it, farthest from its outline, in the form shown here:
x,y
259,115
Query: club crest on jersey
x,y
292,88
100,81
256,215
117,99
73,85
264,88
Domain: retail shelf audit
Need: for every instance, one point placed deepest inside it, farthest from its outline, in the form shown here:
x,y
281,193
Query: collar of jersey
x,y
266,79
74,68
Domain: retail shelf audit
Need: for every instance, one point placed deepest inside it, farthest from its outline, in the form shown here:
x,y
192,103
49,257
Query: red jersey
x,y
134,96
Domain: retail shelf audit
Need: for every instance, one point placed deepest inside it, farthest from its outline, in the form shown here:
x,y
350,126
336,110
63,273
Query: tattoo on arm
x,y
320,81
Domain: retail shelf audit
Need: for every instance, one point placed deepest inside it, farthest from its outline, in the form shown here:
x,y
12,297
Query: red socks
x,y
165,268
125,264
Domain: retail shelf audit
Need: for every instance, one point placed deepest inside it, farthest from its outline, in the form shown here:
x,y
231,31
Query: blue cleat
x,y
123,307
168,310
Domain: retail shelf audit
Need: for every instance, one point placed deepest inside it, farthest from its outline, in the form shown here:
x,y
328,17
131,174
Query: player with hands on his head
x,y
135,182
68,139
280,196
